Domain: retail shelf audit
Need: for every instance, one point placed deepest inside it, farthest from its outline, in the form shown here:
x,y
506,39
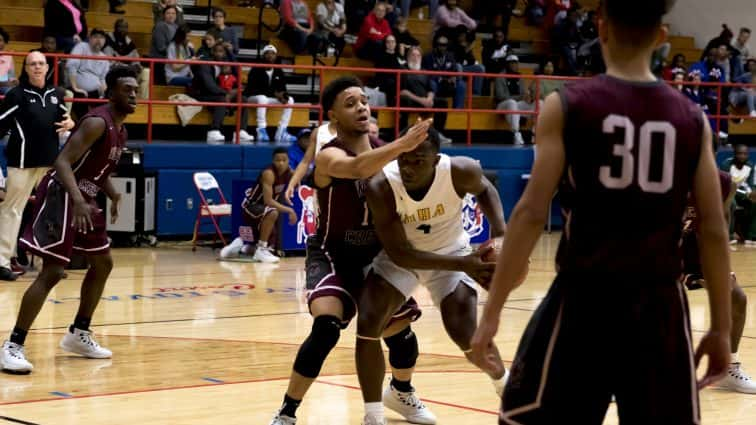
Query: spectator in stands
x,y
723,60
463,53
159,7
374,29
535,12
390,58
678,62
297,150
513,94
450,20
548,86
725,37
416,92
118,43
162,35
205,88
693,90
210,39
556,11
228,34
404,39
495,52
741,170
566,39
358,10
490,12
710,72
8,78
332,24
114,6
65,20
49,45
745,96
406,7
660,55
743,53
678,78
298,27
267,86
589,41
228,82
87,76
180,74
442,60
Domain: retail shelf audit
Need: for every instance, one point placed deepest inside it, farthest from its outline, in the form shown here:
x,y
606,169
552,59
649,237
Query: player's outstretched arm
x,y
715,261
336,163
388,226
301,169
468,177
525,225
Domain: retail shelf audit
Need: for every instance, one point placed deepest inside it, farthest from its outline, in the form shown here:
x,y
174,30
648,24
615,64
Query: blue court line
x,y
213,380
60,394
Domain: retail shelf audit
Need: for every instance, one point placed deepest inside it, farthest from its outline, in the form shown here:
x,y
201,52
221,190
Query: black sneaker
x,y
7,274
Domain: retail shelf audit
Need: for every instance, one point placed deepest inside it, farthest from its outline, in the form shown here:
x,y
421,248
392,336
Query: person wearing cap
x,y
87,76
267,86
298,150
511,94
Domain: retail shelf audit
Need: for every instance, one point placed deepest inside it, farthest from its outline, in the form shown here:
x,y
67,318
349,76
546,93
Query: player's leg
x,y
79,338
378,302
268,222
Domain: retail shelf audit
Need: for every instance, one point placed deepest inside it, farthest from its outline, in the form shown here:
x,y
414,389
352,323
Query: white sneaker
x,y
518,140
14,359
408,405
749,243
245,138
723,135
215,137
233,249
753,114
83,343
280,419
500,383
264,255
737,380
372,420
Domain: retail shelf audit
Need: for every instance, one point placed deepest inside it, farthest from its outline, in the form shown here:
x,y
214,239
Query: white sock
x,y
734,358
374,410
262,244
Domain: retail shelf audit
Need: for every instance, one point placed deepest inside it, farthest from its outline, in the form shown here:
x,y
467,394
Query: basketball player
x,y
345,242
628,149
416,204
67,219
261,207
735,379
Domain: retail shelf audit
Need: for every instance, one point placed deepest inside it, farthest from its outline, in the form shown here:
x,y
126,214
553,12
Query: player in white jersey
x,y
416,203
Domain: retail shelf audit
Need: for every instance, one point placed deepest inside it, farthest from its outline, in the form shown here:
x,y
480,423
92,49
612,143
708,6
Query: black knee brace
x,y
313,352
403,350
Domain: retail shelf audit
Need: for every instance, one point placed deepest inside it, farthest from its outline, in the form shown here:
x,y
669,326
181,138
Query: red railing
x,y
239,104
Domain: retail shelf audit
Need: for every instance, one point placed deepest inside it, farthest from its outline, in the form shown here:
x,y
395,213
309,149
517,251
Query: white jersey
x,y
323,137
434,223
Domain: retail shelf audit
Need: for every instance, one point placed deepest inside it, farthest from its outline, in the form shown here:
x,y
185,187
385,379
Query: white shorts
x,y
440,283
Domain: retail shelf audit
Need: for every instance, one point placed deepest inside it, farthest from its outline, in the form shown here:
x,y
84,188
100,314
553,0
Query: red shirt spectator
x,y
375,28
294,12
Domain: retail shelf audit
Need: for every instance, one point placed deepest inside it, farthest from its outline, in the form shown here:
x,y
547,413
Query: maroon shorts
x,y
325,279
49,235
252,217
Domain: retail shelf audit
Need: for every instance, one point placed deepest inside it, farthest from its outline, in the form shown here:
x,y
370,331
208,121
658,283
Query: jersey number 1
x,y
625,152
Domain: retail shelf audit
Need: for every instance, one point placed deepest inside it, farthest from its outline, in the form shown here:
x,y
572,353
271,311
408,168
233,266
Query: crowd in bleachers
x,y
473,39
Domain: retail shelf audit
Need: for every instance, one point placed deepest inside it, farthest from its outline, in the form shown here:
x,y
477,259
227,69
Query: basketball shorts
x,y
343,277
692,271
252,217
440,283
593,337
49,234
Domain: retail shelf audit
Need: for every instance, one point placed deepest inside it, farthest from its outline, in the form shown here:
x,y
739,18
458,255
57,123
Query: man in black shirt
x,y
417,93
35,114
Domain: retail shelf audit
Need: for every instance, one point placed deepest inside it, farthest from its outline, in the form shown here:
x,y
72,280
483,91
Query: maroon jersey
x,y
94,167
254,195
345,225
690,221
631,152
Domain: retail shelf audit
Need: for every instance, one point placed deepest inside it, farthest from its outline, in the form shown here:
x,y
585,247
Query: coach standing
x,y
35,114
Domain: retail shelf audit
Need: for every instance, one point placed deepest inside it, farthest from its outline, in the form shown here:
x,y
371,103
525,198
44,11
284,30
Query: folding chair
x,y
205,182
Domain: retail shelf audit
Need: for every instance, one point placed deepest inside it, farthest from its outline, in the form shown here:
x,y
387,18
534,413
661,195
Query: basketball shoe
x,y
280,419
82,343
372,420
408,405
232,249
263,254
14,359
737,380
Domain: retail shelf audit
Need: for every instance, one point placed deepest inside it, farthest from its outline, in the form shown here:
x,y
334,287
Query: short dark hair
x,y
434,137
116,73
746,30
636,19
218,9
4,34
334,88
280,149
167,8
98,31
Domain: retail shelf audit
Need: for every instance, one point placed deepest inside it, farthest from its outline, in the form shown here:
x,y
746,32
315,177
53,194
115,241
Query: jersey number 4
x,y
625,152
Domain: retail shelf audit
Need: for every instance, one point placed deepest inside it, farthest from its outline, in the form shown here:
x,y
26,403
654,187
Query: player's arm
x,y
335,163
388,226
80,142
268,178
715,261
525,225
115,198
302,168
468,177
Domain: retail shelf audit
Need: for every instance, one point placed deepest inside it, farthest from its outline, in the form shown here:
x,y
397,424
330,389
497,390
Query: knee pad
x,y
313,352
403,350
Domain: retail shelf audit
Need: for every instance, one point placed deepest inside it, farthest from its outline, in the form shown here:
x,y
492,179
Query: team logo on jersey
x,y
472,216
307,216
54,100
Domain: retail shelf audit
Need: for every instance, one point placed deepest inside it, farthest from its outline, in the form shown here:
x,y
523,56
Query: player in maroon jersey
x,y
345,242
261,207
615,321
68,219
736,379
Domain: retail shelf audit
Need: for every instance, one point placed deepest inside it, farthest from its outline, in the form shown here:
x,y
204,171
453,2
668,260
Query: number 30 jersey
x,y
434,223
631,152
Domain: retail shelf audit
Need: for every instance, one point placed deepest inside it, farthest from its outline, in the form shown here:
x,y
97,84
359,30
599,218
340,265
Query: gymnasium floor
x,y
197,341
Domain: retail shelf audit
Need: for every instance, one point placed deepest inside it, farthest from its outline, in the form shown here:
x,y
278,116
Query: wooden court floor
x,y
197,341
